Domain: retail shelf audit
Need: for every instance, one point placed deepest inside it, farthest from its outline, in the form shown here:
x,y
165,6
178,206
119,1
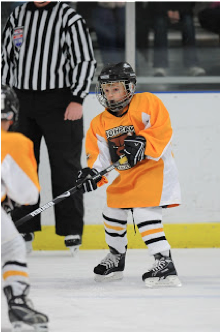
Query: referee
x,y
47,57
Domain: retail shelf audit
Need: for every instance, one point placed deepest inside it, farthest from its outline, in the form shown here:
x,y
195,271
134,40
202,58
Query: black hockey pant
x,y
42,115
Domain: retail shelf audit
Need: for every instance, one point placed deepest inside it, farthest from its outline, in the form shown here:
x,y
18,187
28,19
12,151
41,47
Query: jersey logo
x,y
115,139
18,36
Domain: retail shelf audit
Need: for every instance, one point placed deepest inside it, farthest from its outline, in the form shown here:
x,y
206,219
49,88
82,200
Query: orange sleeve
x,y
159,134
95,146
91,146
24,157
21,149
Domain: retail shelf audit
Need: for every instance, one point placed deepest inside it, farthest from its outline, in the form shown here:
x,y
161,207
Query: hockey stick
x,y
68,193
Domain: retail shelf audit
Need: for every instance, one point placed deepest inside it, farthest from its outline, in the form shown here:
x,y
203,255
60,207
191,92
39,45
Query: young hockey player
x,y
20,185
139,127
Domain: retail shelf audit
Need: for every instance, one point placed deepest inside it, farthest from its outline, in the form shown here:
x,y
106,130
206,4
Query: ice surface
x,y
64,289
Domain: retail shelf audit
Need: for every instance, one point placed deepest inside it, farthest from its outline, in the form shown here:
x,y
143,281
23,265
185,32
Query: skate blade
x,y
169,281
110,277
74,251
23,327
40,327
17,326
29,247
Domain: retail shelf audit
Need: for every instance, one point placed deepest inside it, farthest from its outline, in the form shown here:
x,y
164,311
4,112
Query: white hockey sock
x,y
165,253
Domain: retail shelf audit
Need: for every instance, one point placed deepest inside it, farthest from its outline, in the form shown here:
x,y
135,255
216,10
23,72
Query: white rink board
x,y
195,120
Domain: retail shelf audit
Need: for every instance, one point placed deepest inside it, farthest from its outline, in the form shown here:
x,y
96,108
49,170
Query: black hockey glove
x,y
134,148
85,177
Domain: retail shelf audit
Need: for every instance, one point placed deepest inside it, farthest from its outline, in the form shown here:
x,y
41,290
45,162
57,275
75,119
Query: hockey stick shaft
x,y
68,193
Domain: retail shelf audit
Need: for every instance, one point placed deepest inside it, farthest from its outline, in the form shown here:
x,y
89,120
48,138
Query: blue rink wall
x,y
195,119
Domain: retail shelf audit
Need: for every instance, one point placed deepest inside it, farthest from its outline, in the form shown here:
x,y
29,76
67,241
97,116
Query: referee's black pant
x,y
42,115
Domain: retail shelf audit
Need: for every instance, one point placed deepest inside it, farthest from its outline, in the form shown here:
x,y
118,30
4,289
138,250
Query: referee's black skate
x,y
111,267
163,273
73,242
22,313
28,238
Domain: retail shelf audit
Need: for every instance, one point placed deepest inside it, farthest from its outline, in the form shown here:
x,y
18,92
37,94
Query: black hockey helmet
x,y
111,73
9,104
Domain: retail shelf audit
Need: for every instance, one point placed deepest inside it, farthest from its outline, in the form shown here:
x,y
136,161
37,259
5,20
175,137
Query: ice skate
x,y
163,273
73,242
110,268
22,313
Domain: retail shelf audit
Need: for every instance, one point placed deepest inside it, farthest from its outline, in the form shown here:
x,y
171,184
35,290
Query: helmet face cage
x,y
129,89
116,73
9,104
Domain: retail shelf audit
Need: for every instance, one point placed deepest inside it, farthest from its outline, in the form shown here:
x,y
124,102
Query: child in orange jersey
x,y
138,126
19,181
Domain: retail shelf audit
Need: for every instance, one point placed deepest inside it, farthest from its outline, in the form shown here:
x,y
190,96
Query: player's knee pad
x,y
14,250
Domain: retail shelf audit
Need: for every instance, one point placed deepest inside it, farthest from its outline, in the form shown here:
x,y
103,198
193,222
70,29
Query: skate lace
x,y
111,260
159,265
22,300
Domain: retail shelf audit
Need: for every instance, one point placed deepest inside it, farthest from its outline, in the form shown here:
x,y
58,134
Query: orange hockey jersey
x,y
153,181
18,169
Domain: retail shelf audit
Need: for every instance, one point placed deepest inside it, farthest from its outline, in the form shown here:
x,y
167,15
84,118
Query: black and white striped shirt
x,y
47,48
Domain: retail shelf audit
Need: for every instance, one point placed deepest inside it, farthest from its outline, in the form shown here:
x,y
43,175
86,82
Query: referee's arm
x,y
82,60
7,56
